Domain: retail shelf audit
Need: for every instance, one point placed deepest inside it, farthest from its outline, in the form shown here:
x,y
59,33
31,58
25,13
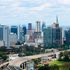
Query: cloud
x,y
66,2
41,7
21,10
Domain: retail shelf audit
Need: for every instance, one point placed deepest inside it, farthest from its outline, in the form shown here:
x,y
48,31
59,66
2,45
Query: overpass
x,y
20,61
2,66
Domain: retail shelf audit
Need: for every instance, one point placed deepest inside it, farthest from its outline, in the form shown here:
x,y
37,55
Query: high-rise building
x,y
14,29
13,39
29,31
1,32
4,35
29,26
43,26
53,35
47,37
22,33
24,30
67,36
38,26
57,35
37,32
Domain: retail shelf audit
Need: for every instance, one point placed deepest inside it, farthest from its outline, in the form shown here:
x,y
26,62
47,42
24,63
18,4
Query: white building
x,y
30,65
1,43
4,35
13,39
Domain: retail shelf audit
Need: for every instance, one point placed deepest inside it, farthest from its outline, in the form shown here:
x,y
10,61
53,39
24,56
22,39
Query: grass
x,y
40,65
59,63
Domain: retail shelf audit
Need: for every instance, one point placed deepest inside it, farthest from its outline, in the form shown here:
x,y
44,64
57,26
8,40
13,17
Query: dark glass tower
x,y
24,30
14,29
29,26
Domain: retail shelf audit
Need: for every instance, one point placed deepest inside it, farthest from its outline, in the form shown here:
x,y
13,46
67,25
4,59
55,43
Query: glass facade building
x,y
52,37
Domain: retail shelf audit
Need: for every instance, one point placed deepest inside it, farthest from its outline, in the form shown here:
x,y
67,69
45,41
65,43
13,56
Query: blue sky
x,y
16,12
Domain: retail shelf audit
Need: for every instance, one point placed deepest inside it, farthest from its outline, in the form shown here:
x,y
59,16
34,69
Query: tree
x,y
3,56
54,67
3,49
66,58
60,56
45,67
37,61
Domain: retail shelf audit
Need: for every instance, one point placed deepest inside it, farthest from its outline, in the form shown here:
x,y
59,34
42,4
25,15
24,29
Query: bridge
x,y
21,61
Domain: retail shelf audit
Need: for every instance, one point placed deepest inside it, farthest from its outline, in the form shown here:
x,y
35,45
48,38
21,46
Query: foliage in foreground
x,y
64,56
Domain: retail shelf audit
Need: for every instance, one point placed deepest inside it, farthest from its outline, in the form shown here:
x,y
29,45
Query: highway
x,y
20,60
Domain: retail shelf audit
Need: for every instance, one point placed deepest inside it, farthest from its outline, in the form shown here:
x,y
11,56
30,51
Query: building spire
x,y
57,20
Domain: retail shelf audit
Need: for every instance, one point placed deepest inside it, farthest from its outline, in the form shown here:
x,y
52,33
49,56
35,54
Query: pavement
x,y
20,60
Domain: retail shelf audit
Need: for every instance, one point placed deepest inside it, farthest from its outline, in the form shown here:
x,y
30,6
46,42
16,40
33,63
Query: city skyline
x,y
22,12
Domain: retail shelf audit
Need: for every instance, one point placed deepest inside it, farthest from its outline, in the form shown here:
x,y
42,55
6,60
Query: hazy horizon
x,y
21,12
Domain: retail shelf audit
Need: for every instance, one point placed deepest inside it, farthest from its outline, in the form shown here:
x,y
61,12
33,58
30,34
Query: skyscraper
x,y
47,37
53,35
38,26
29,26
1,32
14,29
67,36
4,35
24,30
21,34
57,35
13,39
43,26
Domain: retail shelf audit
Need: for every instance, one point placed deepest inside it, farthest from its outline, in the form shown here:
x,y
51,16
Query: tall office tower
x,y
4,35
1,32
43,26
29,26
55,24
30,32
47,37
67,36
14,29
38,26
24,30
53,36
21,34
57,35
13,39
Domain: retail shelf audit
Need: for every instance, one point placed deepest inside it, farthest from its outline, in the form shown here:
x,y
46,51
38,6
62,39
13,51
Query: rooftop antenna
x,y
57,20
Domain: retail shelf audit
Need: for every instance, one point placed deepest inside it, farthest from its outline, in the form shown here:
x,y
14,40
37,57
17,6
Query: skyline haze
x,y
22,12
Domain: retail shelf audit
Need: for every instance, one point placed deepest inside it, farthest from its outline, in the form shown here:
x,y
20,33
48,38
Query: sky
x,y
22,12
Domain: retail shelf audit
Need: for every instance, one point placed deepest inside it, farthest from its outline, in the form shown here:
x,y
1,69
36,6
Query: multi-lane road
x,y
19,60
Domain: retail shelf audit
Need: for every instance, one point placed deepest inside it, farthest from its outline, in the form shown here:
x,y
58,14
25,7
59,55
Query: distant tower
x,y
43,26
38,26
29,26
55,24
24,30
57,20
4,35
14,29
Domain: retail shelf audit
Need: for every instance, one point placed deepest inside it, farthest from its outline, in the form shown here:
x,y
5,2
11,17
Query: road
x,y
20,60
